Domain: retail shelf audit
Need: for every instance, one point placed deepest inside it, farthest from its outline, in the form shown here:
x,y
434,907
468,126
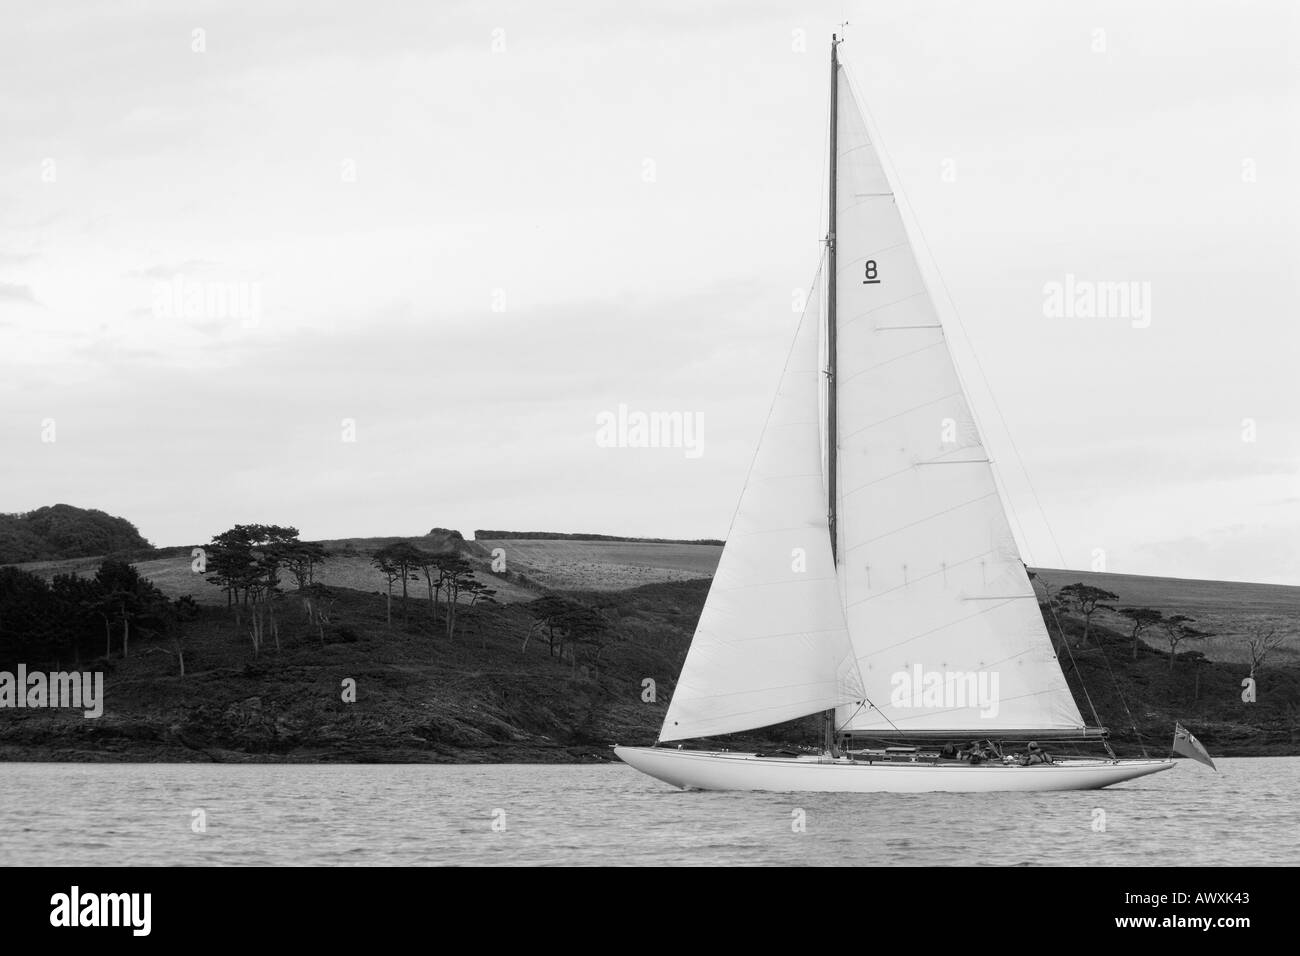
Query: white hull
x,y
704,770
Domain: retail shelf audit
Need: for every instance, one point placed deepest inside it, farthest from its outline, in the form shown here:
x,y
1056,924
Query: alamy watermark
x,y
75,909
1077,298
183,298
946,689
625,428
75,689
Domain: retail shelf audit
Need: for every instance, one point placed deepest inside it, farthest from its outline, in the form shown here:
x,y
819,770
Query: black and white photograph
x,y
657,434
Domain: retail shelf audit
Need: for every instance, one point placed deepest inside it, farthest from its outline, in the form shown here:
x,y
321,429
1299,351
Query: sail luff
x,y
832,409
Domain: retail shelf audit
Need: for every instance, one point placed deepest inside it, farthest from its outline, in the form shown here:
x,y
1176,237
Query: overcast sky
x,y
472,228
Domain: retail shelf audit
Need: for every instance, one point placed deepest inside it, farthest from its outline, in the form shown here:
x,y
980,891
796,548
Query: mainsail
x,y
937,600
771,644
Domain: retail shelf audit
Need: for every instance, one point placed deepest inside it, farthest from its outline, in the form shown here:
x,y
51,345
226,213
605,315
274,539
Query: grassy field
x,y
605,565
1225,608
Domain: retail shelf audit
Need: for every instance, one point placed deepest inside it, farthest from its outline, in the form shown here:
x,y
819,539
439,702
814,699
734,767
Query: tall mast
x,y
832,428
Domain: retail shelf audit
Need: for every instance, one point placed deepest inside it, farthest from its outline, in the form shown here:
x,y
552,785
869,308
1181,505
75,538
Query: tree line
x,y
70,620
1261,639
249,563
447,578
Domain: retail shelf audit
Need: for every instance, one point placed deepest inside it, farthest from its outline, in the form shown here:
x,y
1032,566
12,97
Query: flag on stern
x,y
1189,746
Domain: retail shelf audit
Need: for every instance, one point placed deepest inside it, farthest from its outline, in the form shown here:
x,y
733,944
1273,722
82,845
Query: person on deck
x,y
1036,755
974,753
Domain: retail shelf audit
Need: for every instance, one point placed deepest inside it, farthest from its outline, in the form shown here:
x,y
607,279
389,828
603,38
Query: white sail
x,y
771,643
943,619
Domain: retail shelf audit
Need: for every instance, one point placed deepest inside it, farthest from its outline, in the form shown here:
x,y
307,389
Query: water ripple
x,y
144,814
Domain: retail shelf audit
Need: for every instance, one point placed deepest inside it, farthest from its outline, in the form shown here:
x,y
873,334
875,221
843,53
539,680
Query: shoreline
x,y
539,756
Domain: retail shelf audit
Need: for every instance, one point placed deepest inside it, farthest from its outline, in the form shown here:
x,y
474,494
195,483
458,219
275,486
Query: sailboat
x,y
870,573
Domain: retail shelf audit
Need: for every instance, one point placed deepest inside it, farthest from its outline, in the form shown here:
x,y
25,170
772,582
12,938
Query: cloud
x,y
15,258
17,293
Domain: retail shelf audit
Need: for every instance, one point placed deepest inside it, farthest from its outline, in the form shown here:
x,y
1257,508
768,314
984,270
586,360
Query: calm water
x,y
142,814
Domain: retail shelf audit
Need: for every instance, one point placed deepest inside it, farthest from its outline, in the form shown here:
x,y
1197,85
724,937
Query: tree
x,y
547,611
301,558
402,559
230,557
1198,661
74,617
24,612
391,573
566,623
1087,601
322,600
174,618
63,531
1262,638
119,588
478,591
456,574
1178,628
128,600
245,562
431,566
184,610
1142,618
588,630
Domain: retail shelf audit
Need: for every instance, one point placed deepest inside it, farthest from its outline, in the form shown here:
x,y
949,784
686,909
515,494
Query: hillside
x,y
534,565
1225,607
482,696
347,567
65,531
600,565
498,692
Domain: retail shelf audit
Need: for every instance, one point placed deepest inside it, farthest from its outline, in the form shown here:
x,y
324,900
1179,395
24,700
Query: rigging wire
x,y
862,703
1113,679
1065,642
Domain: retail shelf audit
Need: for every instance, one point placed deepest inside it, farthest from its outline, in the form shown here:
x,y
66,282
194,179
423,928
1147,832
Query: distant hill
x,y
481,535
348,566
64,531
